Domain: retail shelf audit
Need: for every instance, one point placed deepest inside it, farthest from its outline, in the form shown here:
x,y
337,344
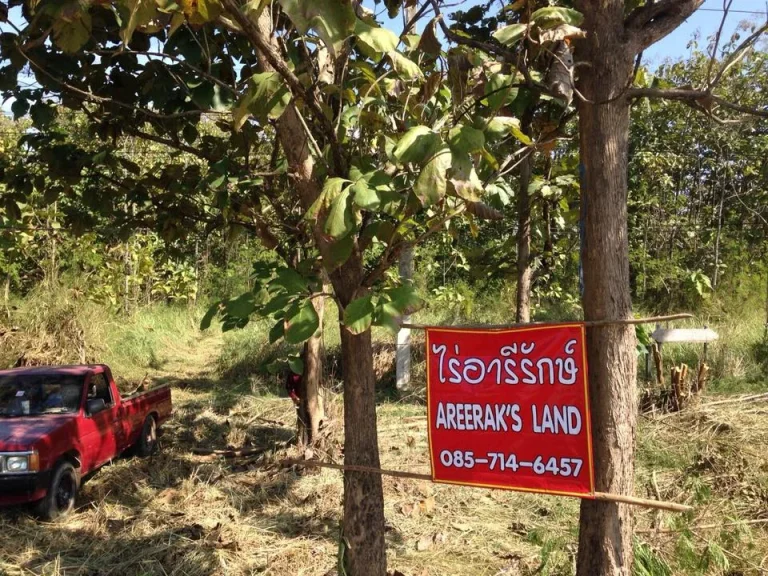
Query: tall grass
x,y
59,327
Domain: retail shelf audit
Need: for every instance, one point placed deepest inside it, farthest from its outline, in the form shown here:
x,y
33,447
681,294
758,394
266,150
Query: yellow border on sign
x,y
585,378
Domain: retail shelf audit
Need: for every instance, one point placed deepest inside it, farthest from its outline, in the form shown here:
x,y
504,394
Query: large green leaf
x,y
302,324
388,316
331,190
209,9
508,35
499,90
290,282
554,15
431,184
404,67
358,315
340,251
376,38
73,33
501,126
134,14
242,306
341,218
277,331
332,20
464,179
296,364
405,299
417,145
465,139
266,98
365,196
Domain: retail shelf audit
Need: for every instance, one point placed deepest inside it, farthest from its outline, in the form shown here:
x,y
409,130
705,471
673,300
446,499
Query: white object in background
x,y
403,350
692,335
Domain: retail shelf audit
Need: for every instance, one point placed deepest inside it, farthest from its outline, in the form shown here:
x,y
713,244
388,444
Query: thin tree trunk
x,y
363,525
605,529
717,238
311,410
549,250
403,351
524,275
7,295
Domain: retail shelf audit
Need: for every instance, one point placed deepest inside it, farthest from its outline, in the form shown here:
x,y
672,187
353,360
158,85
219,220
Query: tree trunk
x,y
311,411
403,351
363,525
605,529
365,551
7,295
524,275
717,238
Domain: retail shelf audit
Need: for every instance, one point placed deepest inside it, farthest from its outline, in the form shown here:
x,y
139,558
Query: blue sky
x,y
704,22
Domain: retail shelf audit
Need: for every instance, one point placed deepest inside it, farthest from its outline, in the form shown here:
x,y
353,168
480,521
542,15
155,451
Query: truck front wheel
x,y
60,498
148,439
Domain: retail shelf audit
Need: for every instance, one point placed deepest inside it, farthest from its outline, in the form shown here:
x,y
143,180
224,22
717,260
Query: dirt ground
x,y
178,513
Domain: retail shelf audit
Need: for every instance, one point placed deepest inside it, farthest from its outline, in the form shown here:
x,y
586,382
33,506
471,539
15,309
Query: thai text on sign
x,y
510,408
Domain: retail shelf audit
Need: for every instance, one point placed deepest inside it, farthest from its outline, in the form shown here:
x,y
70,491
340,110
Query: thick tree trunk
x,y
605,529
311,411
524,273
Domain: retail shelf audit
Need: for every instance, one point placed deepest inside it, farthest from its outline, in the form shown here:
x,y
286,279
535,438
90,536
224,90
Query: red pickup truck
x,y
58,423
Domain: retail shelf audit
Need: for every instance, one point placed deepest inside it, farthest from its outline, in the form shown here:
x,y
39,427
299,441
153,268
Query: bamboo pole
x,y
602,496
587,323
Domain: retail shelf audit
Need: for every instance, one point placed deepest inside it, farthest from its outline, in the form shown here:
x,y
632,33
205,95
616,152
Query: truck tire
x,y
62,492
147,442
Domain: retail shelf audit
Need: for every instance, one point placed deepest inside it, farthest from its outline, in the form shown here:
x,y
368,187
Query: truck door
x,y
101,439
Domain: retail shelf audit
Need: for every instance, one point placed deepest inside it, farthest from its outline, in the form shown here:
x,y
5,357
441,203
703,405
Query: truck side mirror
x,y
95,405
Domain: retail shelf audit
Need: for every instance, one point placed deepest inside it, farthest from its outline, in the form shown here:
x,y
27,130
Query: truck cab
x,y
58,424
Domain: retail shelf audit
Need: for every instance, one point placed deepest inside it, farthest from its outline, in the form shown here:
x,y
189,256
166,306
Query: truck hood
x,y
23,433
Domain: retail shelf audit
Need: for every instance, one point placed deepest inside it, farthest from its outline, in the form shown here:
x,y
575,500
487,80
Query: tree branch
x,y
736,55
713,57
167,142
275,60
650,23
195,69
700,99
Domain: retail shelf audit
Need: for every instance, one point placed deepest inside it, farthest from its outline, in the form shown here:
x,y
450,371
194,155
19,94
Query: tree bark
x,y
311,410
605,529
524,274
365,550
363,526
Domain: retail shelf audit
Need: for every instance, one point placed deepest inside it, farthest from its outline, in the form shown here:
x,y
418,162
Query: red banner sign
x,y
510,408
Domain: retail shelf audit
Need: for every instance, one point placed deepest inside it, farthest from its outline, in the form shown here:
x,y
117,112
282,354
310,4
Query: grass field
x,y
183,514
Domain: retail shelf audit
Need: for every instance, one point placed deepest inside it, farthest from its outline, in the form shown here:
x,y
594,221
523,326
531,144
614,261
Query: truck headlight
x,y
17,463
20,463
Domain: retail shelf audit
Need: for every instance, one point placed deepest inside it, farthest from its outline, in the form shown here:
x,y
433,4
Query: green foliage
x,y
647,561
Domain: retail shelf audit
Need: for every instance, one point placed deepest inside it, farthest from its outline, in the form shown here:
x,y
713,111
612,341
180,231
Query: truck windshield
x,y
28,395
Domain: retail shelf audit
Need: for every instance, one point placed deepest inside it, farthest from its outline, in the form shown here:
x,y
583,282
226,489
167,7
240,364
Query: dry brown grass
x,y
181,514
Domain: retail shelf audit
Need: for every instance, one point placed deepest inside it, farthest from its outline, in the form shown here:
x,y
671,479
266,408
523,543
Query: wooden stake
x,y
602,496
587,323
657,359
